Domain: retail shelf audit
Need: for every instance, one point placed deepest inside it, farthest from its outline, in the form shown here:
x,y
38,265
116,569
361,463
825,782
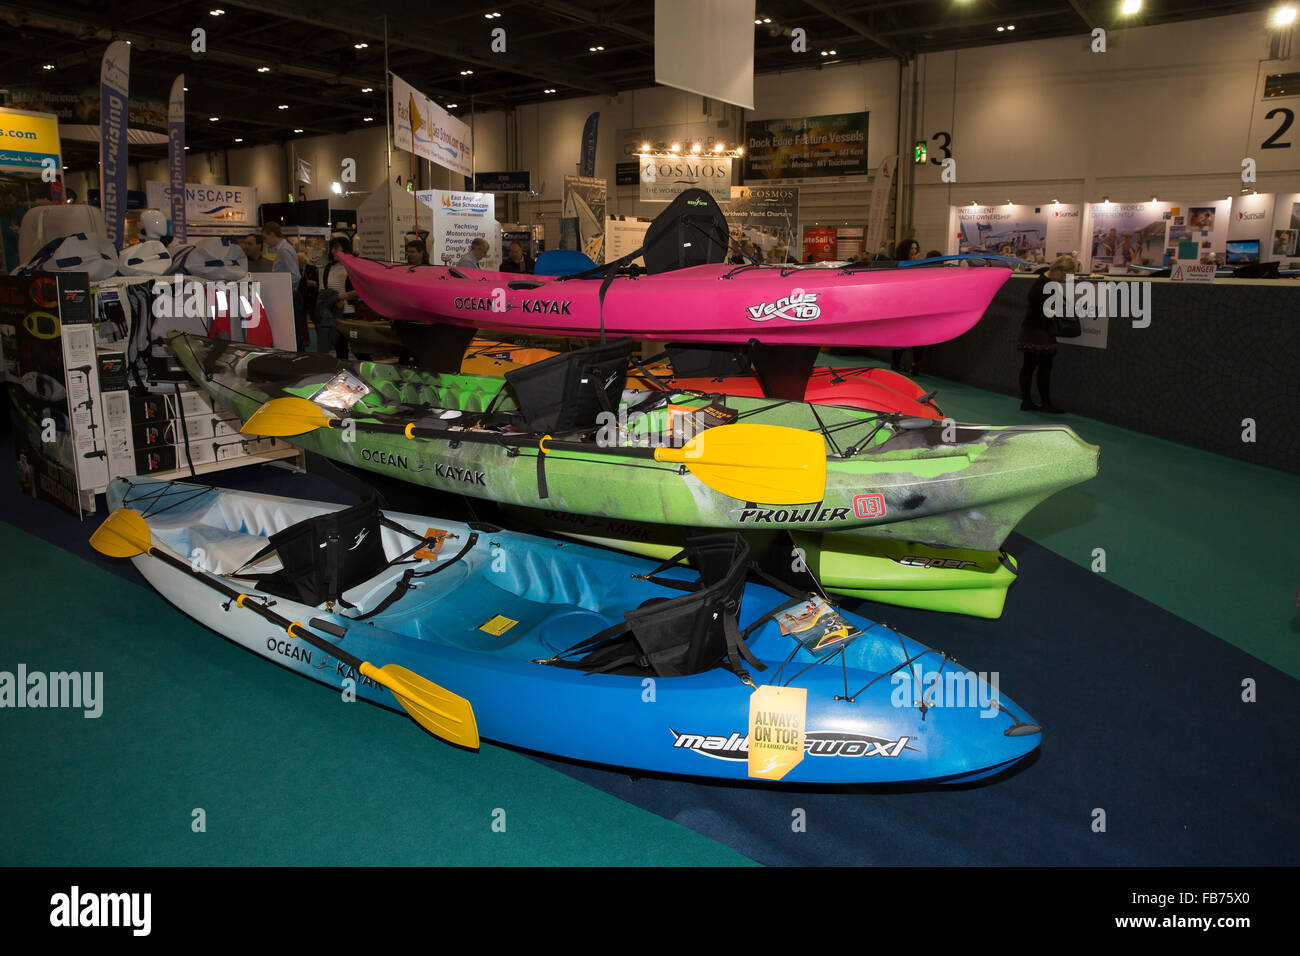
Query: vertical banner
x,y
176,158
588,165
114,80
582,219
884,179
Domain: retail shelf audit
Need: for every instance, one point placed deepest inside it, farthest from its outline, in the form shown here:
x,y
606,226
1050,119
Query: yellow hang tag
x,y
497,625
776,730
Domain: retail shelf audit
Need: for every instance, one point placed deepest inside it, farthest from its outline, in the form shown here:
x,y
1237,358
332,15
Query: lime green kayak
x,y
886,477
902,573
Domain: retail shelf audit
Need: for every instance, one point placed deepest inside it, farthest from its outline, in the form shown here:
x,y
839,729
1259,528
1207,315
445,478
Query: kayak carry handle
x,y
334,630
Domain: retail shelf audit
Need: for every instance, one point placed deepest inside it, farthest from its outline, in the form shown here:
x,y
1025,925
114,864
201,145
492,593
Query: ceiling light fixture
x,y
239,139
549,89
367,89
368,119
360,46
283,106
297,131
263,69
595,49
1130,7
1284,16
719,147
47,66
1002,29
466,72
213,119
217,12
1011,26
695,148
451,106
676,147
490,16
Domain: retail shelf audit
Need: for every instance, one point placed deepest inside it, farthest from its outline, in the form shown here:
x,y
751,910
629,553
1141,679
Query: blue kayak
x,y
554,643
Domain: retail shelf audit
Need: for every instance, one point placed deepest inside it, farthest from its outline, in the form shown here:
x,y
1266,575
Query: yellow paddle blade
x,y
124,534
768,464
434,708
284,417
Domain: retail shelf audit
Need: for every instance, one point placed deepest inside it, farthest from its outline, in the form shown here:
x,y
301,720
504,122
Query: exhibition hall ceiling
x,y
273,71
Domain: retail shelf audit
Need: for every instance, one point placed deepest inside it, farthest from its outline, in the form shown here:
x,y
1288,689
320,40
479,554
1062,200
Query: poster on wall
x,y
24,182
1206,224
1283,236
830,148
767,216
819,244
663,177
1121,235
458,219
582,222
422,127
210,210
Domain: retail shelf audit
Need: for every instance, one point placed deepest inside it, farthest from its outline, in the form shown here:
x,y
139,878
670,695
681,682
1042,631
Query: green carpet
x,y
286,773
1211,539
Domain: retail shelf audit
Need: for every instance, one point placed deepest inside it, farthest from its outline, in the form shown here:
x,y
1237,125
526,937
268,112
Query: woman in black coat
x,y
1036,341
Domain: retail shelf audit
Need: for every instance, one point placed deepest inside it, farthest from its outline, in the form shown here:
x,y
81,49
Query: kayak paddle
x,y
125,534
771,464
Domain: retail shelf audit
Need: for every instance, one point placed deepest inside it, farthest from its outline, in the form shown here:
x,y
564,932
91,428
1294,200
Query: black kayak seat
x,y
567,392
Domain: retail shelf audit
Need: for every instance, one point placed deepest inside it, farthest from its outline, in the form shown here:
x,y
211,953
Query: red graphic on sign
x,y
869,506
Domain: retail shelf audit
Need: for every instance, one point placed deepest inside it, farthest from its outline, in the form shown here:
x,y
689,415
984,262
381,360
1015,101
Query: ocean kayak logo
x,y
798,306
817,743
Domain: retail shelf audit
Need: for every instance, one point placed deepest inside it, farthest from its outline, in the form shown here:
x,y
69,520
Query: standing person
x,y
516,260
310,283
905,251
478,250
252,246
337,298
416,253
286,260
1036,340
11,218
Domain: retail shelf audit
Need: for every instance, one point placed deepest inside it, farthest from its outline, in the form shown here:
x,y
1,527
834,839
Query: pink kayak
x,y
811,306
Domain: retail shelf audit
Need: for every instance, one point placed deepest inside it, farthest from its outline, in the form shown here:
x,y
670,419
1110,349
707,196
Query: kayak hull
x,y
559,594
707,303
945,485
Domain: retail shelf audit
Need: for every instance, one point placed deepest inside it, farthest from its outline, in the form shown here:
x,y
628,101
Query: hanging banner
x,y
587,167
582,220
830,148
114,80
458,219
884,179
422,127
208,210
706,47
520,182
663,177
79,114
176,159
303,171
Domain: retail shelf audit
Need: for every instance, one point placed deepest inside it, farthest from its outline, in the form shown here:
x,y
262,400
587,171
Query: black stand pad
x,y
783,370
437,347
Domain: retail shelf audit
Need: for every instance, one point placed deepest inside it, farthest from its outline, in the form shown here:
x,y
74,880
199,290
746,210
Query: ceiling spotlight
x,y
466,72
360,46
368,119
185,88
595,49
1130,7
451,106
283,106
549,89
767,19
239,139
1284,16
367,89
213,119
187,149
490,16
740,151
695,148
47,66
675,147
833,52
758,21
263,69
217,12
1011,26
1001,29
717,147
297,131
645,147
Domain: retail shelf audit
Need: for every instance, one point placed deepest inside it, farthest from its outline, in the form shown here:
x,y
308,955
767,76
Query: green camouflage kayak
x,y
915,480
